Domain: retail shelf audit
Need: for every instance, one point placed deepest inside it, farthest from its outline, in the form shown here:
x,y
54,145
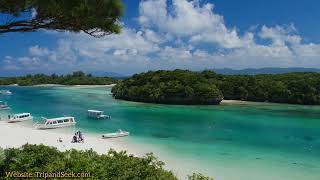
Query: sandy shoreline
x,y
15,135
18,134
235,102
78,86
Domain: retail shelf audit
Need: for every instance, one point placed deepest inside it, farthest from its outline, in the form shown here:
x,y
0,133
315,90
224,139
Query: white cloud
x,y
37,51
184,34
190,19
280,35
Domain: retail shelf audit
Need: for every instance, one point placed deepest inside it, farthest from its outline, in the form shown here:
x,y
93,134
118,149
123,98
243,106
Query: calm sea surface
x,y
256,141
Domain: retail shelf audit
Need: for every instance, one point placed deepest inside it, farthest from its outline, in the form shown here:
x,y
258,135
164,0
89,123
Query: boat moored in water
x,y
19,117
97,114
56,123
117,134
4,105
5,92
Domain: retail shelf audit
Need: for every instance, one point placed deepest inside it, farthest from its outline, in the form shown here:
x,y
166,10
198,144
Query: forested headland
x,y
76,78
208,87
168,87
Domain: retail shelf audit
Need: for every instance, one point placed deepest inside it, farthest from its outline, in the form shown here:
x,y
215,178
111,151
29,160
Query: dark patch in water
x,y
308,138
257,158
92,95
305,165
160,136
224,154
223,139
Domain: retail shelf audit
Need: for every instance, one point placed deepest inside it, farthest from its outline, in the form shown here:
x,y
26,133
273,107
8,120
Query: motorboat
x,y
19,117
4,105
97,114
5,92
56,123
117,134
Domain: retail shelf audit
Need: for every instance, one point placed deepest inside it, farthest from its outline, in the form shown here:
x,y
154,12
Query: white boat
x,y
5,92
119,133
19,117
4,105
97,114
56,123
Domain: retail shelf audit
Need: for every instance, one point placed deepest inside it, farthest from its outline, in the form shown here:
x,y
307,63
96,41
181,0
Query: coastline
x,y
236,102
62,85
225,159
19,134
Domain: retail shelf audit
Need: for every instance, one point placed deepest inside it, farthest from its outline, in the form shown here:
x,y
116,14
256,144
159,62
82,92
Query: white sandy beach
x,y
16,135
234,102
78,86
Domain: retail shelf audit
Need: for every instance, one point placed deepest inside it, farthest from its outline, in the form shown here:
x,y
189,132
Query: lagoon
x,y
254,141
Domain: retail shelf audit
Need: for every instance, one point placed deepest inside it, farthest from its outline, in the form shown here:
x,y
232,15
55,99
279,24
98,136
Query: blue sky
x,y
169,34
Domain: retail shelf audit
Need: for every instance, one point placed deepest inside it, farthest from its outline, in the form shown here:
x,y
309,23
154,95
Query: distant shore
x,y
61,85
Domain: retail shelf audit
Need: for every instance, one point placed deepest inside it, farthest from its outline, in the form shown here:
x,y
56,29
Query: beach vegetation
x,y
112,165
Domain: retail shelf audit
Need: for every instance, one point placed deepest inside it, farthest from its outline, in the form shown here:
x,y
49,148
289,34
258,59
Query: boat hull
x,y
115,135
19,120
43,127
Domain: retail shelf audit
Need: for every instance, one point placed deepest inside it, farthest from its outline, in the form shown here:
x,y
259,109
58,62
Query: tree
x,y
113,165
94,17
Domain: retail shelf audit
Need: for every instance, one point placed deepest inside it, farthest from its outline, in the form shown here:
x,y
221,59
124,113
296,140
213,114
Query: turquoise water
x,y
255,141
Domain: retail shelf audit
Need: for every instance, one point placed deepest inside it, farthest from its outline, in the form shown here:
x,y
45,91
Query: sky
x,y
171,34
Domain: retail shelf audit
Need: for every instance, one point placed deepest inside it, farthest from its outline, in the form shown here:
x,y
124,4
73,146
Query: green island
x,y
76,78
112,165
168,87
208,87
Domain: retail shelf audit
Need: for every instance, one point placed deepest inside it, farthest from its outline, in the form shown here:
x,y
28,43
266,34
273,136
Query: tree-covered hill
x,y
168,87
187,87
77,78
293,88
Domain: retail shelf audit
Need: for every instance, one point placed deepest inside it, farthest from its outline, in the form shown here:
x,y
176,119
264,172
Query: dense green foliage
x,y
95,17
161,86
293,88
168,87
113,165
77,78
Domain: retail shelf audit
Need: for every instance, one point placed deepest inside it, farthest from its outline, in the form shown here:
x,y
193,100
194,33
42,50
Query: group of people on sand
x,y
78,137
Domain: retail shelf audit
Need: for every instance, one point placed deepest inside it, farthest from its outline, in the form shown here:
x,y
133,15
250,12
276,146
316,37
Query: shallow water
x,y
256,141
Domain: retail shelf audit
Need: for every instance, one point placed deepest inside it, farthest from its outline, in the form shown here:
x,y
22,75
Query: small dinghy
x,y
117,134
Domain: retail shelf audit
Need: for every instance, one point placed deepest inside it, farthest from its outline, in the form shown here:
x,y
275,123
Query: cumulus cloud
x,y
178,34
38,51
190,19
